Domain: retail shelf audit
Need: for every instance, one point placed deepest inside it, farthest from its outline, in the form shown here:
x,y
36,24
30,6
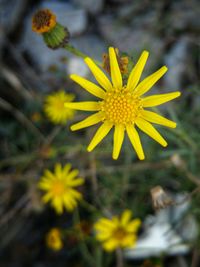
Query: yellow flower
x,y
55,109
59,187
117,232
43,21
122,106
54,239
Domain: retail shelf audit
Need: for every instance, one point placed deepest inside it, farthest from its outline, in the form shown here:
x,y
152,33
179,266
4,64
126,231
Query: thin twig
x,y
20,117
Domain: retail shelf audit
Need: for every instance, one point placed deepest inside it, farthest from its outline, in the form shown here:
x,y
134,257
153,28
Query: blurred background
x,y
30,143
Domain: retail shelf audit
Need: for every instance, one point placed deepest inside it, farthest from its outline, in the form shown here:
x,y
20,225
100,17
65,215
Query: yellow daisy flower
x,y
117,232
122,106
54,239
59,187
55,109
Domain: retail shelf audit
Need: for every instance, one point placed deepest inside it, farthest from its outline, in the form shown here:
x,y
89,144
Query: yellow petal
x,y
89,86
148,82
118,140
87,105
148,128
110,245
133,225
58,169
103,130
126,216
156,118
135,141
98,74
114,69
76,182
57,204
72,175
156,100
89,121
136,72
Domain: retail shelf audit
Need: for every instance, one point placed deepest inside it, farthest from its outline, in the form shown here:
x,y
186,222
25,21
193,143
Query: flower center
x,y
120,106
58,188
59,105
43,20
119,233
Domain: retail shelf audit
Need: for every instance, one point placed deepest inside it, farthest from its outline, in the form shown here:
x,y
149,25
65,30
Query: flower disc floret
x,y
121,107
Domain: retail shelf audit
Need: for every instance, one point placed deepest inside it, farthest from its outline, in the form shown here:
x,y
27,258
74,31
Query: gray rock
x,y
93,7
185,15
179,63
10,12
131,40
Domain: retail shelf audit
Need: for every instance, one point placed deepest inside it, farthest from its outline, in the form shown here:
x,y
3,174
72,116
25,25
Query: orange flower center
x,y
120,106
43,21
119,233
58,188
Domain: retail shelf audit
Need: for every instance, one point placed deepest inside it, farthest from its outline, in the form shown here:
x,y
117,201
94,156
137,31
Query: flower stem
x,y
70,48
119,258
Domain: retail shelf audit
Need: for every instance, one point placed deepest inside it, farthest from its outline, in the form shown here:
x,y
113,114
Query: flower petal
x,y
135,141
98,74
89,121
136,72
87,105
148,82
76,182
110,245
89,86
114,69
118,140
156,118
125,218
148,128
156,100
103,130
133,225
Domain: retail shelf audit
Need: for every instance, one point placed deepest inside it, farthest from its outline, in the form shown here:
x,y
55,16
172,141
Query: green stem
x,y
83,247
70,48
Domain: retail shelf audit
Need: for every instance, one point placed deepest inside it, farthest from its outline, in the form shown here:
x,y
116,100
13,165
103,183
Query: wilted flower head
x,y
117,232
60,188
122,106
54,239
122,61
54,34
160,198
55,109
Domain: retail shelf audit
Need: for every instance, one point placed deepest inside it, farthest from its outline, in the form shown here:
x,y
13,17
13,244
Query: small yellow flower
x,y
43,21
122,105
55,109
54,239
117,232
59,187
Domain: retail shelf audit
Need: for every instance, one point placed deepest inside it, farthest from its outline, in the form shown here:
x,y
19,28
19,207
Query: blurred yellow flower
x,y
60,188
122,106
54,239
117,232
55,109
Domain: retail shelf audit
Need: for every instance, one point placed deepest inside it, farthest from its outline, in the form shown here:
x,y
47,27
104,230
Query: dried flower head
x,y
117,232
54,34
54,239
122,61
43,21
160,198
122,106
